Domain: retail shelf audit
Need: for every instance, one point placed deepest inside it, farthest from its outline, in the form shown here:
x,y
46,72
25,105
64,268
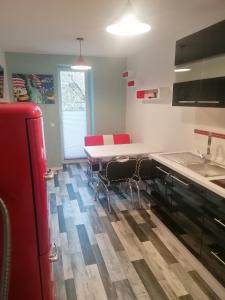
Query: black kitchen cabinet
x,y
162,184
213,246
221,90
204,43
208,91
161,200
212,92
186,93
200,52
187,210
180,208
203,93
194,214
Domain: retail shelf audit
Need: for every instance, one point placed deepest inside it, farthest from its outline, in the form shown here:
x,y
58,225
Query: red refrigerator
x,y
23,189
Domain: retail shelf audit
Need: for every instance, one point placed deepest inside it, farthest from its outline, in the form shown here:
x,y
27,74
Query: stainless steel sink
x,y
207,169
184,158
196,164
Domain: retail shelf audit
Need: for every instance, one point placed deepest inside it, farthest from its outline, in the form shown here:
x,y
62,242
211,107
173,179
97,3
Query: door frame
x,y
88,110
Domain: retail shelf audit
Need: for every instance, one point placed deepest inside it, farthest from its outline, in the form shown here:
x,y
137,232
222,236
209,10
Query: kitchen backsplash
x,y
217,144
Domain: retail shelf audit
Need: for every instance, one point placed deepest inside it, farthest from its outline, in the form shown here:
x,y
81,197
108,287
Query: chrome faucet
x,y
206,157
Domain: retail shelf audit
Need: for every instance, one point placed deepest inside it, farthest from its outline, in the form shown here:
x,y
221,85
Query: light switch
x,y
52,124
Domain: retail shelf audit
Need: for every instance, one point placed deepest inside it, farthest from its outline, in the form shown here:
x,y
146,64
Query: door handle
x,y
54,256
180,181
219,222
163,171
215,254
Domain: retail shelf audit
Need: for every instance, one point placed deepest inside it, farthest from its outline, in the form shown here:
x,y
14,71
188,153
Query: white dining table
x,y
103,152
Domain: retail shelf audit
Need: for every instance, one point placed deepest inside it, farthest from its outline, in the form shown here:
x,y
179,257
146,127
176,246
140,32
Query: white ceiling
x,y
51,26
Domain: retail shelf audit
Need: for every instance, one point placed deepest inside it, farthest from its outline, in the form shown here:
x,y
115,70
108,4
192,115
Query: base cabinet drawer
x,y
213,245
191,223
213,257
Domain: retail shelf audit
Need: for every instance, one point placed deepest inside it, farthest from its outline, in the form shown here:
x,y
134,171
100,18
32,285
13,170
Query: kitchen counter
x,y
185,171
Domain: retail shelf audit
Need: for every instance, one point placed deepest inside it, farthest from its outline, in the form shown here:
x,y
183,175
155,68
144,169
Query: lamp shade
x,y
80,64
128,26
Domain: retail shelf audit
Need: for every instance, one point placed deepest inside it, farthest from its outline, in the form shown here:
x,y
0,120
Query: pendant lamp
x,y
80,63
128,24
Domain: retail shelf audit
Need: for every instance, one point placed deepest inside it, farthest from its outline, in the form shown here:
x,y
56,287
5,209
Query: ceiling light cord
x,y
80,48
80,40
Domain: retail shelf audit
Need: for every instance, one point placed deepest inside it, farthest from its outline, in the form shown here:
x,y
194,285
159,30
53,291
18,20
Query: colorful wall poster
x,y
33,87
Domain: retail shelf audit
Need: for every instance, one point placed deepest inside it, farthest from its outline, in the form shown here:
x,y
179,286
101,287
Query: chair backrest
x,y
145,168
121,169
109,139
121,138
93,140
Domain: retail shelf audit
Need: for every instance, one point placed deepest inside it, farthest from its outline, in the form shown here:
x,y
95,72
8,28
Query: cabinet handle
x,y
186,101
54,256
219,222
208,101
215,254
180,181
162,170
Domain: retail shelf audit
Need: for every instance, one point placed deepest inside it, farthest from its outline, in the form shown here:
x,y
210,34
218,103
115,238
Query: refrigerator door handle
x,y
54,256
49,174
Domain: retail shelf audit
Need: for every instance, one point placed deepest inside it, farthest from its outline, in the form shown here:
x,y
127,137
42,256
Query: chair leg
x,y
150,191
149,203
121,190
97,191
146,186
108,200
138,192
90,174
131,193
107,195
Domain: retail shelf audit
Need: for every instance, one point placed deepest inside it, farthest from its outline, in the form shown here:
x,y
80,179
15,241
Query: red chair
x,y
121,138
93,140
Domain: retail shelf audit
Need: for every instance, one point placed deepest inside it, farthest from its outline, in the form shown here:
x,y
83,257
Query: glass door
x,y
74,109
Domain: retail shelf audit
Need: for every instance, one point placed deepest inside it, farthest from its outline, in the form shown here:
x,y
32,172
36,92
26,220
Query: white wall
x,y
162,126
3,64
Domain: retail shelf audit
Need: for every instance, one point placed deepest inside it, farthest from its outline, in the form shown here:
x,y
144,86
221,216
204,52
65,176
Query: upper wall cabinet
x,y
203,55
205,43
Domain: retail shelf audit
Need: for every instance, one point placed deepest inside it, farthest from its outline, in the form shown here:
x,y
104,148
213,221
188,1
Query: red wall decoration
x,y
149,94
125,74
131,83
